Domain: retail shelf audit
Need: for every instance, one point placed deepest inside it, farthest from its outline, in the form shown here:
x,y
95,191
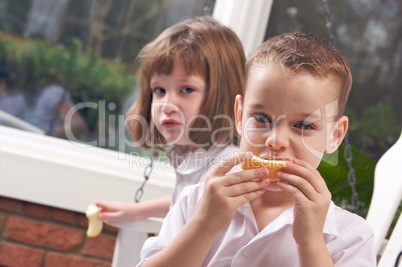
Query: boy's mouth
x,y
275,158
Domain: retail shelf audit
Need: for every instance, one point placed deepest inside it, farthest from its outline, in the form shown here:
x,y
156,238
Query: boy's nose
x,y
277,139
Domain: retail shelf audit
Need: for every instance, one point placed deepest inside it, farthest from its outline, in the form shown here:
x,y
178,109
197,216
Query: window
x,y
59,54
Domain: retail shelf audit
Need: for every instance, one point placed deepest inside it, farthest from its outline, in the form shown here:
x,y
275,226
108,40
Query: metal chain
x,y
208,7
147,173
328,19
348,155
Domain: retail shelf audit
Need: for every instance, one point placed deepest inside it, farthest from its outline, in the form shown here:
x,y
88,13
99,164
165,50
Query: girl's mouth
x,y
170,123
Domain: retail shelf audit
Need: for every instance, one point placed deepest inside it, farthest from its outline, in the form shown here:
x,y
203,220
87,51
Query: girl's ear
x,y
336,134
238,109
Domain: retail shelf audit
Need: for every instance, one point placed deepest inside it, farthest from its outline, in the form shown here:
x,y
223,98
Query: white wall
x,y
60,173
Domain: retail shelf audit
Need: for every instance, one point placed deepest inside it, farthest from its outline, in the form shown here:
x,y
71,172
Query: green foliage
x,y
336,177
36,63
377,131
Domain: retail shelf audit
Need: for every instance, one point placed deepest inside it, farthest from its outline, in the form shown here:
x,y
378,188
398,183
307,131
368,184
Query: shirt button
x,y
246,251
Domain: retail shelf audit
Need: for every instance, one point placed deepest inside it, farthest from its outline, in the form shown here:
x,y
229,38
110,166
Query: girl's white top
x,y
192,167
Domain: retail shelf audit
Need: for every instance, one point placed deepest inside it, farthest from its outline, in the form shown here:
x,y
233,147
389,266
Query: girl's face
x,y
176,103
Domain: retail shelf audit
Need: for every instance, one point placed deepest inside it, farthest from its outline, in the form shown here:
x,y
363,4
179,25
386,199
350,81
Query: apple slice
x,y
95,225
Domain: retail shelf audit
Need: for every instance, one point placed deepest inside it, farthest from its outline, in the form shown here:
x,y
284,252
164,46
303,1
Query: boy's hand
x,y
312,199
223,194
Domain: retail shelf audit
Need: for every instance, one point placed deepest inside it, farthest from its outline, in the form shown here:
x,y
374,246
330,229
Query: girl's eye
x,y
158,91
187,90
262,118
304,125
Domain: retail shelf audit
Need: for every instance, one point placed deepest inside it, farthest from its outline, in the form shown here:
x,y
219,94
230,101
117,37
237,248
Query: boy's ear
x,y
238,109
336,134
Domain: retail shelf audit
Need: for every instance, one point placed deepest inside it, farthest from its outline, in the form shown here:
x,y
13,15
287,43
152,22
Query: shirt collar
x,y
286,218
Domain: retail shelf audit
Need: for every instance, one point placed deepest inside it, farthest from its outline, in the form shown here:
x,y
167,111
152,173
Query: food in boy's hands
x,y
272,165
94,223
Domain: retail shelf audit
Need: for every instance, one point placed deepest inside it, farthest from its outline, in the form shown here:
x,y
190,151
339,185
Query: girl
x,y
189,77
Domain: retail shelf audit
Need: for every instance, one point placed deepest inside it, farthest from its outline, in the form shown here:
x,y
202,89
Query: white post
x,y
247,18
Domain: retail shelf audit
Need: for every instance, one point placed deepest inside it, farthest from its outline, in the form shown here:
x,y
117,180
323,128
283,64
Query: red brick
x,y
64,260
36,210
110,228
101,246
82,221
2,221
12,205
43,234
64,216
20,256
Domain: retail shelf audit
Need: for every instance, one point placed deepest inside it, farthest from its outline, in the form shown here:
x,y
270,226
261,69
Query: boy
x,y
295,92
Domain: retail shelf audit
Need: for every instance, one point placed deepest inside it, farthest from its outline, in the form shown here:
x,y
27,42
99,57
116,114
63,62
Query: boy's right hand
x,y
224,194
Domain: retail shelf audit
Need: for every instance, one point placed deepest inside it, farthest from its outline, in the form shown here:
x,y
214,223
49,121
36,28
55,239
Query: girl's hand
x,y
312,199
117,212
223,194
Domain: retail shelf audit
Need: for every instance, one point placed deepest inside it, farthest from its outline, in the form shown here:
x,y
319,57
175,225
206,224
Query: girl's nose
x,y
169,104
168,108
278,138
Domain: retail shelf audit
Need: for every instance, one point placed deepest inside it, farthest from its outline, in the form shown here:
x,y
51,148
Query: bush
x,y
36,63
336,178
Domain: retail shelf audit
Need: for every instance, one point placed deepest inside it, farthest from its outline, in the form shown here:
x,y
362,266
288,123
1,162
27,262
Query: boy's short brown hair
x,y
203,46
303,52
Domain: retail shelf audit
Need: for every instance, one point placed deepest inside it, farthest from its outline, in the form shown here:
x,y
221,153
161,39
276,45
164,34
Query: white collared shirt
x,y
192,167
349,238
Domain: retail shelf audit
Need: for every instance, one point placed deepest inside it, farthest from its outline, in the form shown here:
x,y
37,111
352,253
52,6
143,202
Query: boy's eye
x,y
262,118
187,90
304,125
158,91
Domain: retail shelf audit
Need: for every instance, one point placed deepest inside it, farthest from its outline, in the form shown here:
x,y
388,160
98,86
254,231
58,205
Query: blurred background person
x,y
49,111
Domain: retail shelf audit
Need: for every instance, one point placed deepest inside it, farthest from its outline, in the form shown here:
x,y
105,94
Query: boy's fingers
x,y
243,199
292,191
244,176
228,163
247,187
307,172
296,186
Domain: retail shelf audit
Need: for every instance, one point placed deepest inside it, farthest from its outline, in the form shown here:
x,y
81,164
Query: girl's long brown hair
x,y
203,46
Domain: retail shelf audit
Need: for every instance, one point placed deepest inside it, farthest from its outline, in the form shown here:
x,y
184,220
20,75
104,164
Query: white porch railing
x,y
69,175
63,174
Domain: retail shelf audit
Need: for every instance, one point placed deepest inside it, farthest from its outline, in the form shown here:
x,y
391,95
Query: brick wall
x,y
33,235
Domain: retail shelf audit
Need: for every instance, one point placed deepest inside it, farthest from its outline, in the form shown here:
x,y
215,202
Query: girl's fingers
x,y
107,206
102,204
112,217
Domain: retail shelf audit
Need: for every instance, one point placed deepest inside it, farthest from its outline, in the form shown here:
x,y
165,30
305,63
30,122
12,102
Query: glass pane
x,y
368,33
55,54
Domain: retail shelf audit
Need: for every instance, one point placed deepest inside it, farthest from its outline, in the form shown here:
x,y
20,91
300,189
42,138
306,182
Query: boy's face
x,y
288,115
